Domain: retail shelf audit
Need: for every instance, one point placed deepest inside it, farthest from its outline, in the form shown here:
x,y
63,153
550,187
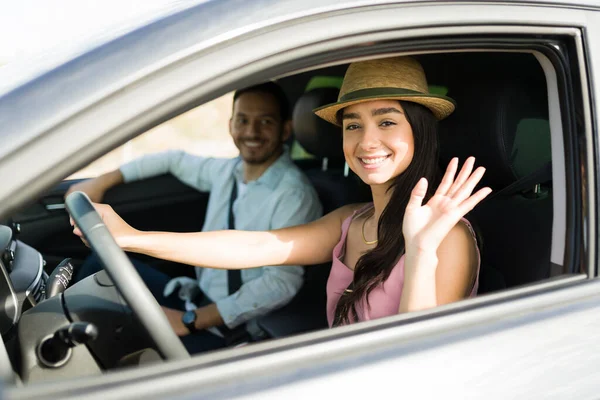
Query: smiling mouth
x,y
252,143
373,161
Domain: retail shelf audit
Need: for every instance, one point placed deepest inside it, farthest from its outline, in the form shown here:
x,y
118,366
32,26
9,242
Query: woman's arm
x,y
443,277
440,257
306,244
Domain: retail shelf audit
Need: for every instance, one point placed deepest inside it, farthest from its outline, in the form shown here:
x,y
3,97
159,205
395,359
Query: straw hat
x,y
398,78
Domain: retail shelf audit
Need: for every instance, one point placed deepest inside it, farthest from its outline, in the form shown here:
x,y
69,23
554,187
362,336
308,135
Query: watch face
x,y
189,317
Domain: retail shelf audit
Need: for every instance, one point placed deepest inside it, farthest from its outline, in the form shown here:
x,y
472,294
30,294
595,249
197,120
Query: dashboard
x,y
23,281
53,329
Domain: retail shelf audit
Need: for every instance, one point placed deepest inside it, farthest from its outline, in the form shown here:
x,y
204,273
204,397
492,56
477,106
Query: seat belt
x,y
528,182
239,334
234,276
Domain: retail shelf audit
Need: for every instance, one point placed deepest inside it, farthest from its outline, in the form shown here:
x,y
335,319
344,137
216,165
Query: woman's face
x,y
378,140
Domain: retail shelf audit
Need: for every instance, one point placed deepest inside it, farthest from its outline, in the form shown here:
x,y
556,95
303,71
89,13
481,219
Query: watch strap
x,y
190,325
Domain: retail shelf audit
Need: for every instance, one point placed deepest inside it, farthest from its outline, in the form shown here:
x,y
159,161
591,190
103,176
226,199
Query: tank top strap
x,y
471,229
475,283
349,219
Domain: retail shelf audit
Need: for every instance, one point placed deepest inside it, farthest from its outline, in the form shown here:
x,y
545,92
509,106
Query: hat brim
x,y
440,106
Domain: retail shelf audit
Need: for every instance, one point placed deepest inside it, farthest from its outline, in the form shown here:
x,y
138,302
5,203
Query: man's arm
x,y
207,316
96,187
197,172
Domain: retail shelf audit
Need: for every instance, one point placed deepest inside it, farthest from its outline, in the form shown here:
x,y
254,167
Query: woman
x,y
380,267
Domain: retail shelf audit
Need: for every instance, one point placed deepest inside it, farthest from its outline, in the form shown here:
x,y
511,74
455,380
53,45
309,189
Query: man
x,y
260,190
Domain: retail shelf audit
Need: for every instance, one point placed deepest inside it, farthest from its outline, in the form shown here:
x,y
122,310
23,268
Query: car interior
x,y
502,119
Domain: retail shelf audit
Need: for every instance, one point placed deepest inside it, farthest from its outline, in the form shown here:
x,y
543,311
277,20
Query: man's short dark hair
x,y
273,89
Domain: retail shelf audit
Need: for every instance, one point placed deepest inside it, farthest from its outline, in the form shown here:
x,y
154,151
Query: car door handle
x,y
55,206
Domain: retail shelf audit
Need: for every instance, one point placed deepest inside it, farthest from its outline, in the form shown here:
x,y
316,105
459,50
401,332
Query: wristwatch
x,y
189,320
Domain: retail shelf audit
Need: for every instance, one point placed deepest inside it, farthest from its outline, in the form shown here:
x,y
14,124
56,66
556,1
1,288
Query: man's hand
x,y
206,317
96,187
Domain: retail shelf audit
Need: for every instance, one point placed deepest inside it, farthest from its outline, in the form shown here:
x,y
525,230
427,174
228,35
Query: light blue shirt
x,y
282,196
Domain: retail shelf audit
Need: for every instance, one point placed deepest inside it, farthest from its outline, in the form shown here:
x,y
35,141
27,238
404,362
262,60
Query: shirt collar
x,y
272,175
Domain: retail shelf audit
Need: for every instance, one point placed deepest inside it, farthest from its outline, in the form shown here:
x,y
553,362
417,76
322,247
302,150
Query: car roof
x,y
34,42
45,101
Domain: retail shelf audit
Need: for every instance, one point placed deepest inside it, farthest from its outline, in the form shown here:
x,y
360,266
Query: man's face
x,y
256,127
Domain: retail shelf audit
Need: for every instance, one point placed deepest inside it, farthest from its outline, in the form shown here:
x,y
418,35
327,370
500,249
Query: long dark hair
x,y
375,266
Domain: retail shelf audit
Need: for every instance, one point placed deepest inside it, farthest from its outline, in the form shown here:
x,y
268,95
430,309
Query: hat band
x,y
381,91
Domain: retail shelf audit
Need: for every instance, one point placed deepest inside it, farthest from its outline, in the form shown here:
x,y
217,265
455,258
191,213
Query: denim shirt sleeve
x,y
197,172
278,284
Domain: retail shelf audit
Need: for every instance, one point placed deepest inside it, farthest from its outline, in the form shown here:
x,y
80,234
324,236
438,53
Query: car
x,y
523,75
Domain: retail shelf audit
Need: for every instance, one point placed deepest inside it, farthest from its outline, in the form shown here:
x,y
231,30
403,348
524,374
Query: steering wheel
x,y
125,277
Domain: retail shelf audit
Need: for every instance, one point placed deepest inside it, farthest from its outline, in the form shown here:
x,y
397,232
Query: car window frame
x,y
500,299
542,290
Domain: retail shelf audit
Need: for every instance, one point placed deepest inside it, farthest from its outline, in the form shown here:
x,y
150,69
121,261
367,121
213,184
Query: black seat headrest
x,y
503,122
318,137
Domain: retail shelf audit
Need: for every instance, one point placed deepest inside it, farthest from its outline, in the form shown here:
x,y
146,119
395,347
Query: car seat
x,y
502,120
335,185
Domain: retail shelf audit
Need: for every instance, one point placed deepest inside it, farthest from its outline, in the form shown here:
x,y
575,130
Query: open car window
x,y
503,119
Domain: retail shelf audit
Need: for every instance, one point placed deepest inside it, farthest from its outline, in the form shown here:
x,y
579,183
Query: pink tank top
x,y
384,300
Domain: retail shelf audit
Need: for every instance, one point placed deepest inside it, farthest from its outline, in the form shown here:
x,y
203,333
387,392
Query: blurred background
x,y
202,131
